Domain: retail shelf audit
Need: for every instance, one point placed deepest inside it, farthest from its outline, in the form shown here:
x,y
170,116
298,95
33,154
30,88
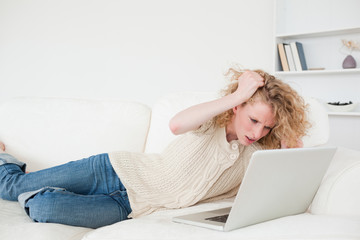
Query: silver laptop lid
x,y
278,183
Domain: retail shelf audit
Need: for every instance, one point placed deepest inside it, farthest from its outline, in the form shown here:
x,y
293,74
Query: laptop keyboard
x,y
221,218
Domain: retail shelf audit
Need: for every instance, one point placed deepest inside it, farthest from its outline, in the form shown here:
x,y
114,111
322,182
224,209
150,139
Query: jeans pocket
x,y
122,198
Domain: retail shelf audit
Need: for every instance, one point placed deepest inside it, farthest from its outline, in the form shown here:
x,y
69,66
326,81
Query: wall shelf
x,y
318,72
354,114
319,34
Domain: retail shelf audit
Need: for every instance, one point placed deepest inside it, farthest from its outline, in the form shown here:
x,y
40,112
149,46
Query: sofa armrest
x,y
339,192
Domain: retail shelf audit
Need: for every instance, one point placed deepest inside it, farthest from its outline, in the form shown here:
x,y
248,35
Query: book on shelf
x,y
296,57
282,56
289,57
299,56
292,57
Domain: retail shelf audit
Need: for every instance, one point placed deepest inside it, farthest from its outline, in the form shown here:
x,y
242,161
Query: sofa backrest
x,y
319,132
49,131
160,135
163,110
44,132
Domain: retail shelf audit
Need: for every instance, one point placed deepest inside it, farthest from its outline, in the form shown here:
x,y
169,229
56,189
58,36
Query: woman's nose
x,y
257,133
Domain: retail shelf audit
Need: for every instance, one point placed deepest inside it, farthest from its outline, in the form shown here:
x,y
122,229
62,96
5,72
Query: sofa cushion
x,y
339,193
44,132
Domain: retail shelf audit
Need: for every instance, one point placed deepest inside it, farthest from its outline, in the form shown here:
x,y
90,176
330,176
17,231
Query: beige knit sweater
x,y
197,166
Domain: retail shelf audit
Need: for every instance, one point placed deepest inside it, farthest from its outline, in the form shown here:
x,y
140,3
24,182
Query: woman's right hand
x,y
248,83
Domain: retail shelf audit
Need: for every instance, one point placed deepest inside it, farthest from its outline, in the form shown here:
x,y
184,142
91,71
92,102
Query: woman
x,y
207,162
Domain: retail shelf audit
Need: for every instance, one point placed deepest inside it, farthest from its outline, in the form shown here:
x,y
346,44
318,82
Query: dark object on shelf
x,y
340,103
341,106
349,62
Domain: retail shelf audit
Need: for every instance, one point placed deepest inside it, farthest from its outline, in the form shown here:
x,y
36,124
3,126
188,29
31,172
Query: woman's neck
x,y
230,132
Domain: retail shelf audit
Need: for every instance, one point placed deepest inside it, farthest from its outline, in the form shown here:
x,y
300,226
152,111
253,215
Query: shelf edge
x,y
324,72
350,114
350,30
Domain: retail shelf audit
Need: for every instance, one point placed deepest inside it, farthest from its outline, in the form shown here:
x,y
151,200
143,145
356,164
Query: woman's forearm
x,y
193,117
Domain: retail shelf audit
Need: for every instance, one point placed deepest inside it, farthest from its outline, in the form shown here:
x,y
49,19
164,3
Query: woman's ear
x,y
235,109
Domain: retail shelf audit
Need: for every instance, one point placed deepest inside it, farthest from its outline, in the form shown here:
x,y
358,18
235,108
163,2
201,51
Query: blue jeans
x,y
86,193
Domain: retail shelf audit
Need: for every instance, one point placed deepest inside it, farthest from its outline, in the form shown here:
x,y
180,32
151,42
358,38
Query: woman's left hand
x,y
299,144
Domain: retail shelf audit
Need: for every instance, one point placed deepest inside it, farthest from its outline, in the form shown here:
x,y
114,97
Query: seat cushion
x,y
15,224
159,226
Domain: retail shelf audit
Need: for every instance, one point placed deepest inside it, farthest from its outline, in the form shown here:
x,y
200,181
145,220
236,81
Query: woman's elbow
x,y
174,127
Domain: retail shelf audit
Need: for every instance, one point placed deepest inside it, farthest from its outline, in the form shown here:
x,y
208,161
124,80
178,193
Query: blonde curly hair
x,y
289,109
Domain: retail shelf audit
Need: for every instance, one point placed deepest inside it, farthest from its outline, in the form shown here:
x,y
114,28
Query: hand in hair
x,y
248,83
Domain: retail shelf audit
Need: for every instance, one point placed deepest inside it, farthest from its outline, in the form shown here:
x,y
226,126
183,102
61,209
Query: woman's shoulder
x,y
207,127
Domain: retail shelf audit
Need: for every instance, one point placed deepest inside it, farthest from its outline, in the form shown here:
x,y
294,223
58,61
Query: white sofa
x,y
44,132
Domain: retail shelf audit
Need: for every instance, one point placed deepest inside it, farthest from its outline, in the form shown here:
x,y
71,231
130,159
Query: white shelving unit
x,y
320,26
324,49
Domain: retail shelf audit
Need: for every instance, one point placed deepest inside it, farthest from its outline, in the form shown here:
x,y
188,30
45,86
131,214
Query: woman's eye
x,y
253,120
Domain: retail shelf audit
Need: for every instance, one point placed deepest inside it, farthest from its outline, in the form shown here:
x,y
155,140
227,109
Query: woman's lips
x,y
249,140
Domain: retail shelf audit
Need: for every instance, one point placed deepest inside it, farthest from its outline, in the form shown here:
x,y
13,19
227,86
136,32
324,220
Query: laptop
x,y
277,183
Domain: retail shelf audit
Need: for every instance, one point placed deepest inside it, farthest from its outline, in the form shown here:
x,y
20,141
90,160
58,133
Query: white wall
x,y
134,50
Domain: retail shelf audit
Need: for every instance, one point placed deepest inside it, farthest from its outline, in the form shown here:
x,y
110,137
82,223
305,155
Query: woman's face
x,y
251,122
